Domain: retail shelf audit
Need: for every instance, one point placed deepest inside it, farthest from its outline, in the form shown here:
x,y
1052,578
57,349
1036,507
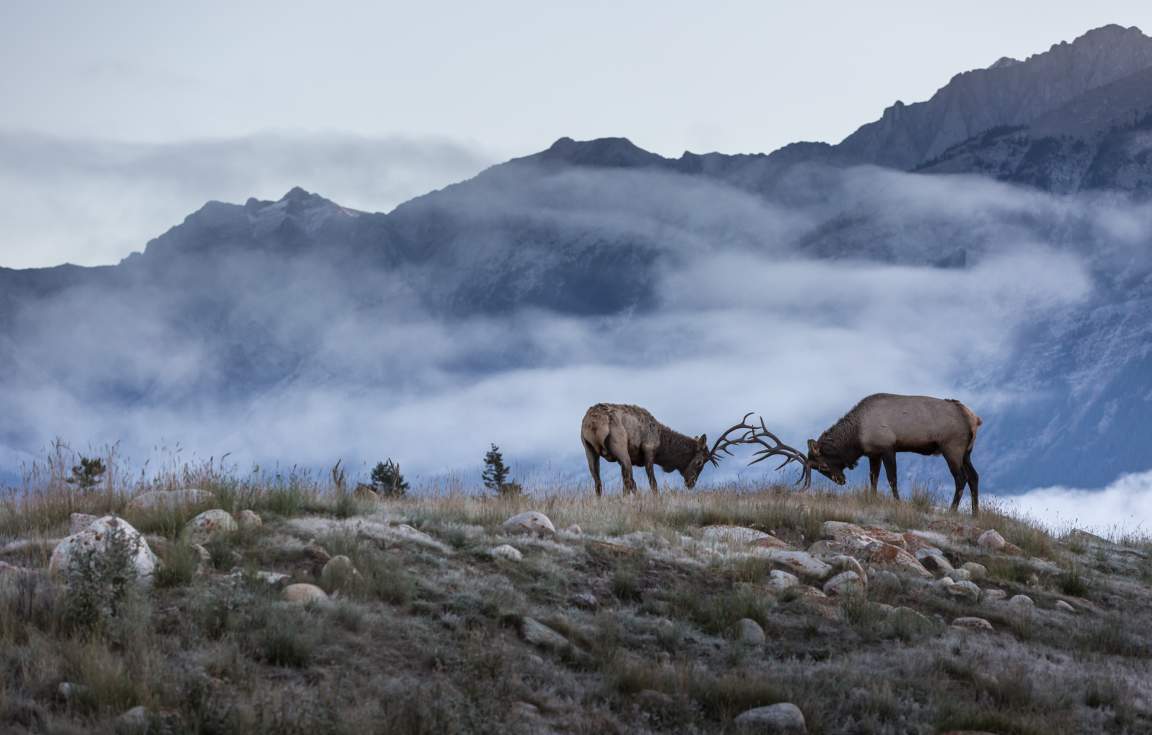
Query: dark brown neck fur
x,y
841,442
676,450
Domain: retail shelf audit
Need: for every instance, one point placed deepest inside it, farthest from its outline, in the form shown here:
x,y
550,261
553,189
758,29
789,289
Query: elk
x,y
883,424
630,435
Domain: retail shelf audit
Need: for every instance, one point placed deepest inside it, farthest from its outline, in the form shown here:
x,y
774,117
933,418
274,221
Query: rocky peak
x,y
601,152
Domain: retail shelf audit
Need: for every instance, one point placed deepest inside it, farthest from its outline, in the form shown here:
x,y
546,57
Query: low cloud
x,y
1123,508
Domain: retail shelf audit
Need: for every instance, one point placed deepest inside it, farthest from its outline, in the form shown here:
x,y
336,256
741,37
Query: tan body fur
x,y
630,435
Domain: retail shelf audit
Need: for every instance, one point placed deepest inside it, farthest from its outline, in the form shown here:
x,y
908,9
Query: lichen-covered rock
x,y
993,595
507,552
77,522
991,540
248,519
797,562
208,525
303,593
170,500
779,580
732,534
972,623
338,574
97,538
845,563
749,632
961,575
964,590
844,583
976,572
530,521
896,559
1022,604
934,561
778,719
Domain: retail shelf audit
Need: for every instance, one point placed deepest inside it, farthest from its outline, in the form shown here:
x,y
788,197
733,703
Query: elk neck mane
x,y
676,449
843,437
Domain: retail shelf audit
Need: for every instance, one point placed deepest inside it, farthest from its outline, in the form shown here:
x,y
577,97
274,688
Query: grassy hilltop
x,y
638,614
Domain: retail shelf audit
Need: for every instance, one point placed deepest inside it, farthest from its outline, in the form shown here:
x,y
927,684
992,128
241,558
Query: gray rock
x,y
208,525
779,719
934,561
134,720
539,634
845,563
994,595
779,580
507,552
248,519
748,631
1022,604
976,572
731,534
95,539
964,590
797,562
991,540
972,623
530,521
844,583
584,600
961,575
338,574
1063,606
303,594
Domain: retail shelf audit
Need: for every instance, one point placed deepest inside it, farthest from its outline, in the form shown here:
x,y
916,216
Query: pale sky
x,y
463,84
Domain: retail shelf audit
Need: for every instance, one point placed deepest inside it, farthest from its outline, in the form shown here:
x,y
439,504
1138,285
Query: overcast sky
x,y
457,84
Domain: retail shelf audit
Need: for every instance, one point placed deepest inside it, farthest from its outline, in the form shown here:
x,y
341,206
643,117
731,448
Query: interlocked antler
x,y
777,448
724,442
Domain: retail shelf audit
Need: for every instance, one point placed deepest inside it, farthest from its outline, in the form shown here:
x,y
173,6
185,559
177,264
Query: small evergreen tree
x,y
87,474
387,480
495,471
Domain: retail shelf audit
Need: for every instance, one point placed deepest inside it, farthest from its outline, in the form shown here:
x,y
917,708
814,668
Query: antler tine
x,y
723,442
779,449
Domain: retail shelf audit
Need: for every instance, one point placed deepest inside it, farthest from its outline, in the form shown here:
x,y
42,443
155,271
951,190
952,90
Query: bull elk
x,y
883,424
630,435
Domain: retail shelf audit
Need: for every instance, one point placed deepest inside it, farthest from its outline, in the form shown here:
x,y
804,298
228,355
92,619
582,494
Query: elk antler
x,y
724,442
778,449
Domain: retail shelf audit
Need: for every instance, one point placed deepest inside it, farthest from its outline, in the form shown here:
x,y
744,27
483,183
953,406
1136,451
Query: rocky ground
x,y
246,609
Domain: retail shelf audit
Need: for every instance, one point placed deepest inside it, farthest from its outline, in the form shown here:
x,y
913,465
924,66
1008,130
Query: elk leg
x,y
973,482
618,446
594,467
890,470
874,472
650,468
960,475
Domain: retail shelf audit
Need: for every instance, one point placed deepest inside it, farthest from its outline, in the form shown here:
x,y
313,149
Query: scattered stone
x,y
845,563
95,538
770,542
135,719
896,558
732,534
798,562
748,631
529,522
204,560
961,575
69,691
991,540
971,623
505,551
248,519
1063,606
779,719
934,560
208,525
575,530
275,580
170,500
882,579
77,522
1021,603
992,595
338,574
964,590
539,634
584,600
976,572
303,593
844,583
779,580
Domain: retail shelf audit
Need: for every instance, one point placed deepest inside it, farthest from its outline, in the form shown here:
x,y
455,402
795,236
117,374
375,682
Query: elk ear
x,y
813,448
702,441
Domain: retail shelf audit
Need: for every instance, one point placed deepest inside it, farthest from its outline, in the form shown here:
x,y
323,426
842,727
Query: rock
x,y
992,595
275,580
779,580
845,563
964,590
338,574
168,500
955,529
1063,606
584,600
316,552
779,719
1021,603
204,560
896,559
732,534
69,691
840,531
976,571
529,522
798,562
844,583
574,530
95,539
961,575
303,593
539,634
77,522
883,535
134,720
749,631
971,623
770,542
505,551
248,519
934,560
208,525
884,580
991,540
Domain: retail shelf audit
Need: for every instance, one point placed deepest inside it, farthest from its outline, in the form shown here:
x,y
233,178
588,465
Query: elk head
x,y
691,473
825,464
772,447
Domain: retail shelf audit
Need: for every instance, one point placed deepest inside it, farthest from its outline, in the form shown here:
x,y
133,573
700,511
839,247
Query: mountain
x,y
599,253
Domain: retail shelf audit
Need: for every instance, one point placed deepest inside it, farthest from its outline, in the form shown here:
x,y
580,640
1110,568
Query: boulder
x,y
961,575
167,500
529,522
993,595
1063,606
275,580
964,590
208,525
574,530
847,535
248,519
95,539
338,573
77,522
539,634
302,593
203,560
976,572
798,562
1021,604
883,535
778,719
991,540
971,623
505,551
895,558
732,534
845,563
770,542
748,631
779,580
844,583
934,560
584,600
